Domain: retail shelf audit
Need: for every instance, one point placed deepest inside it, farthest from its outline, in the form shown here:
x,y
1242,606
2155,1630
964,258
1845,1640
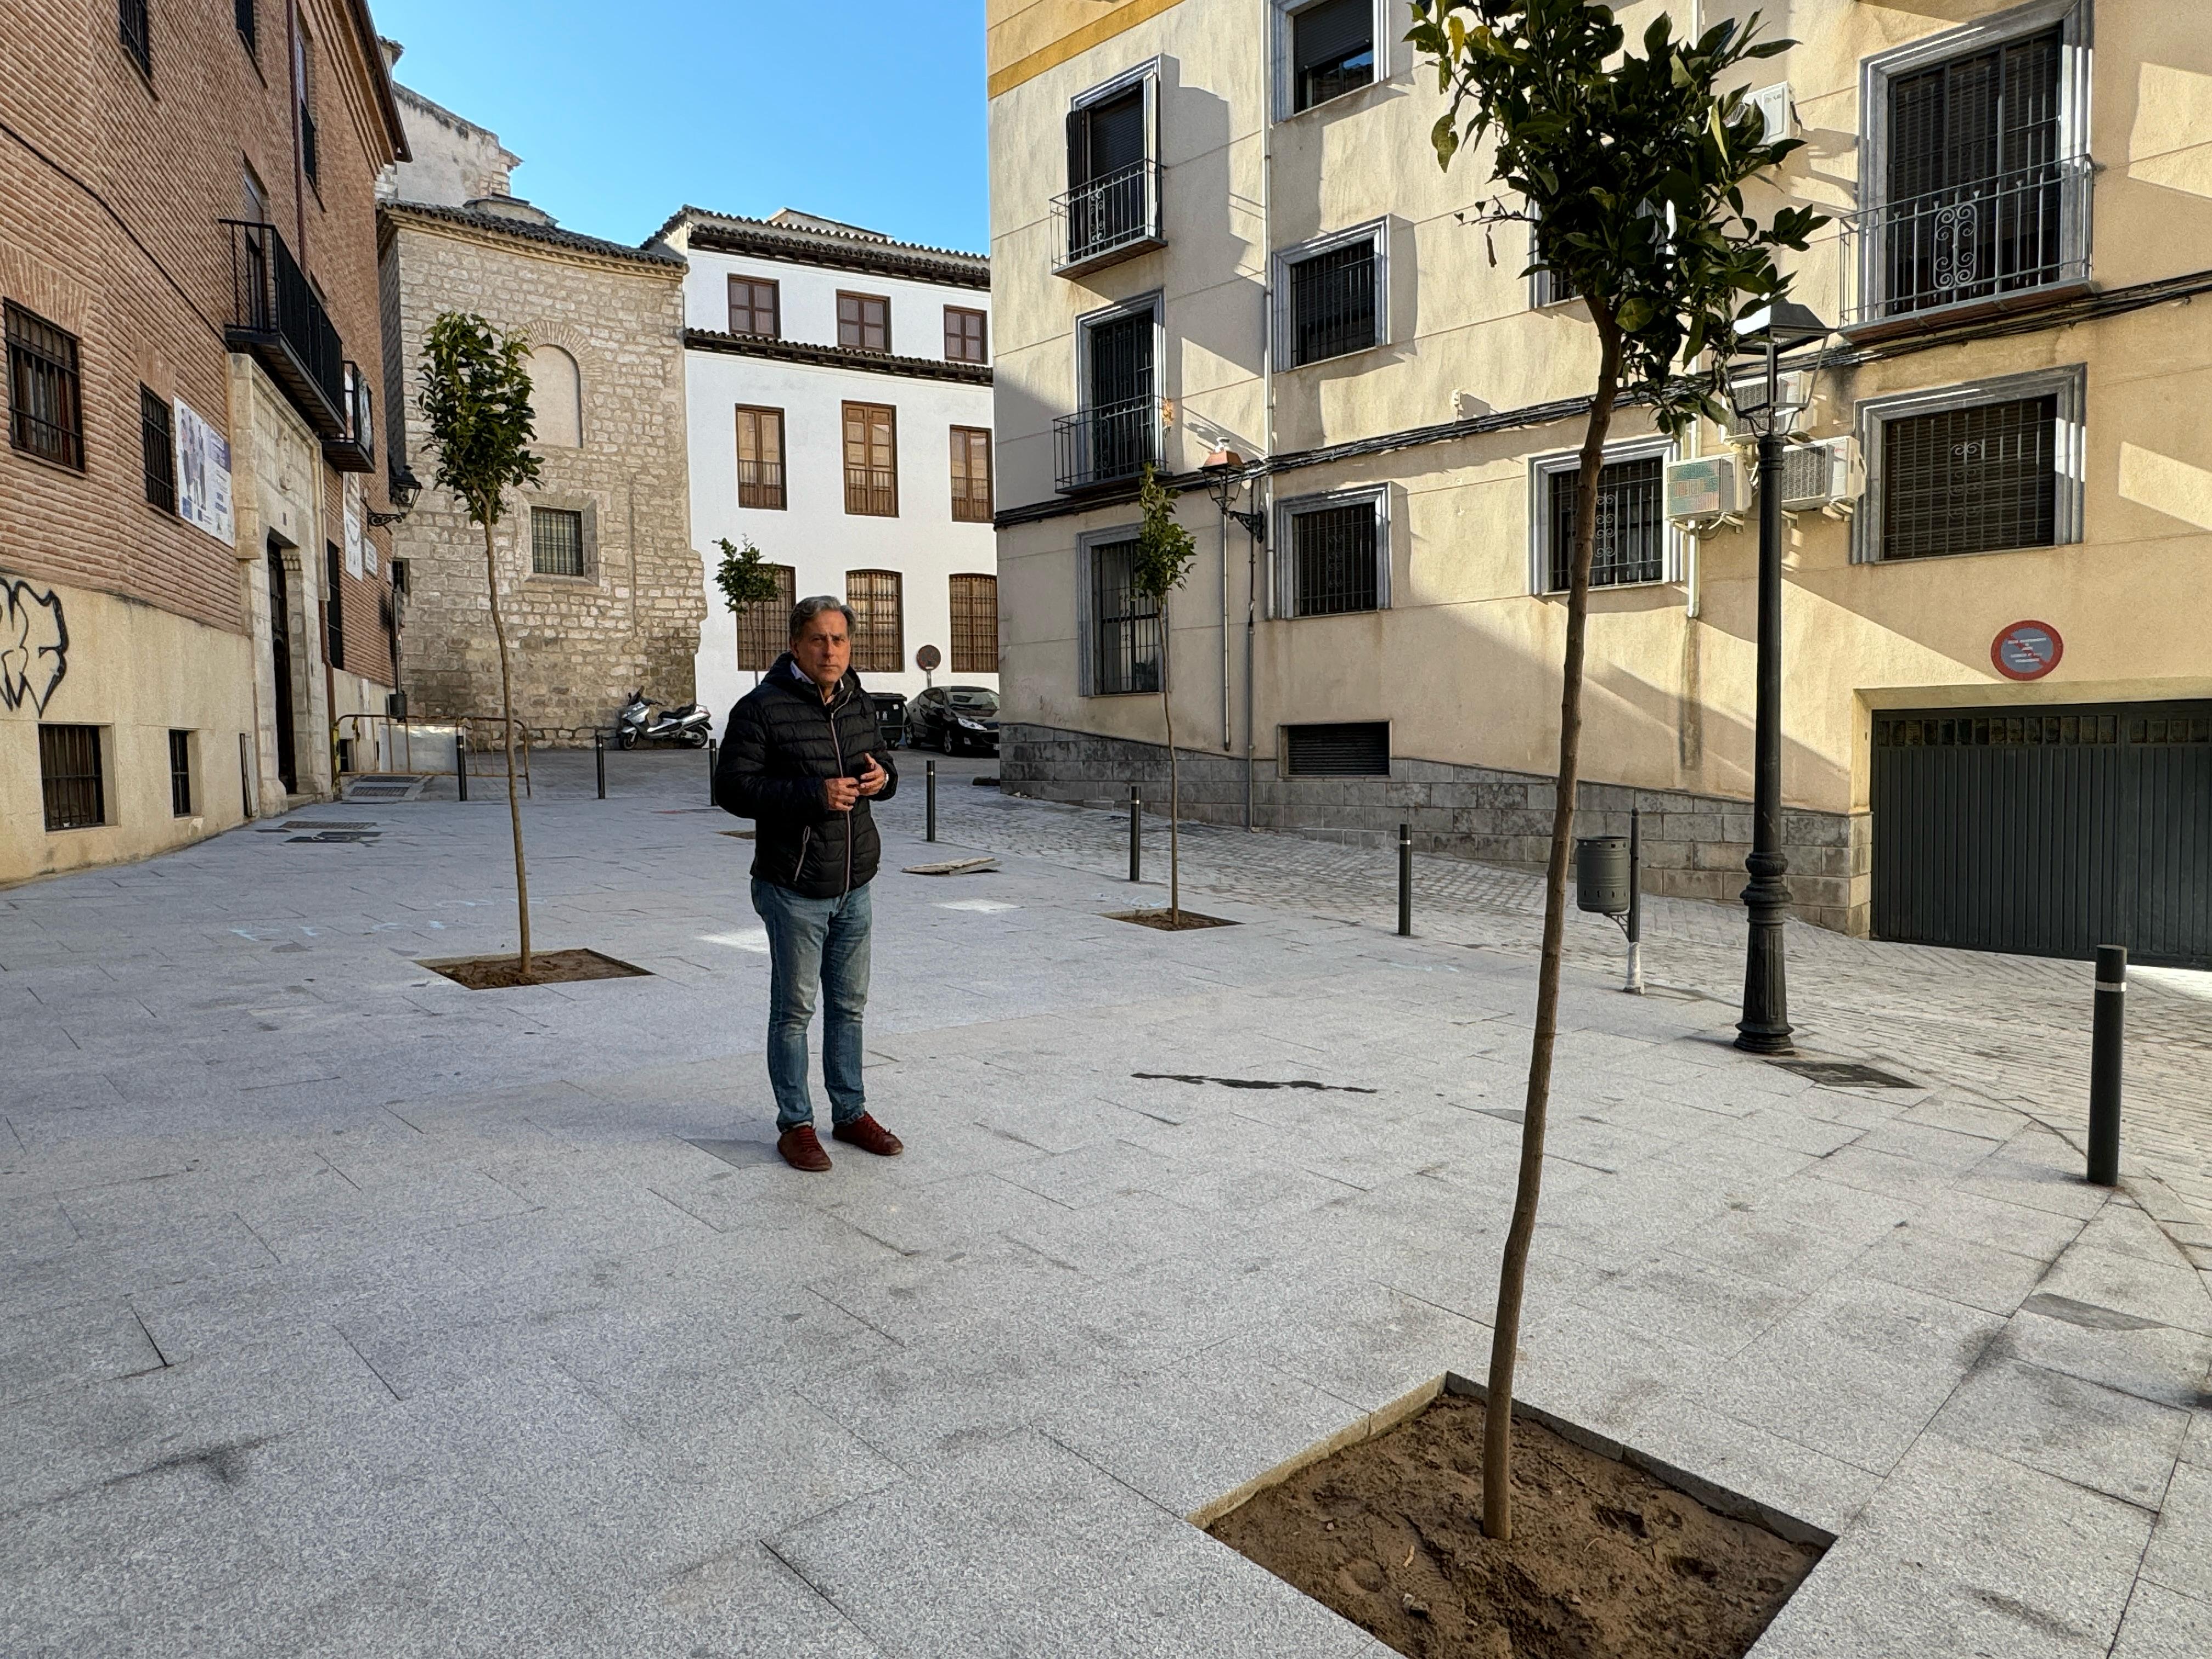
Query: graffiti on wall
x,y
33,645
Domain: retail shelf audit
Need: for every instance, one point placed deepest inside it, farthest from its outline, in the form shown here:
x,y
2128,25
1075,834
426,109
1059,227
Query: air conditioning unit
x,y
1793,390
1705,491
1775,108
1822,476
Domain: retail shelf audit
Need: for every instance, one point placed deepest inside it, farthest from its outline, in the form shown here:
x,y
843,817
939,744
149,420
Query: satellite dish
x,y
927,658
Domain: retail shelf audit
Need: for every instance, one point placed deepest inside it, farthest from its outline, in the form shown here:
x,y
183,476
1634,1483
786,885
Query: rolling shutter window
x,y
1971,480
1358,749
1332,50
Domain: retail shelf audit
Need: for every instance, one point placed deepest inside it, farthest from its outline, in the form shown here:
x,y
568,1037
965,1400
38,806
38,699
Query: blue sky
x,y
871,113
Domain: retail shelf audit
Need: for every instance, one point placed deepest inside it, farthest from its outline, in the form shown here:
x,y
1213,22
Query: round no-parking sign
x,y
2026,650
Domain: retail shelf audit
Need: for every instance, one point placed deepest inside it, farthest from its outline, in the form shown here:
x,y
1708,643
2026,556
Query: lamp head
x,y
1782,323
1220,469
404,487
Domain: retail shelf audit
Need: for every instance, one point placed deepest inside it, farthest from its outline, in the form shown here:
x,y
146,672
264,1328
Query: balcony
x,y
276,319
1114,216
1108,445
356,450
1974,245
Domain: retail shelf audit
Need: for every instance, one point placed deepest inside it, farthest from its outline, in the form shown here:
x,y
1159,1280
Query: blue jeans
x,y
813,941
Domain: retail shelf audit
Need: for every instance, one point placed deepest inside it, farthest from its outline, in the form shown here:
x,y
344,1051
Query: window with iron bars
x,y
180,774
1970,480
971,474
557,542
974,625
878,620
1631,524
760,459
1334,305
872,460
764,628
1124,647
1334,565
156,436
70,776
136,28
46,410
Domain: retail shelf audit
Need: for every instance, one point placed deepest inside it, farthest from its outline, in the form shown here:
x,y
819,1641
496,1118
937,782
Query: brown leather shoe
x,y
869,1136
802,1149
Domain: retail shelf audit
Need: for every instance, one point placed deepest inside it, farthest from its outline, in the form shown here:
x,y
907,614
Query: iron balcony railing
x,y
1106,445
1110,217
275,318
355,450
2007,234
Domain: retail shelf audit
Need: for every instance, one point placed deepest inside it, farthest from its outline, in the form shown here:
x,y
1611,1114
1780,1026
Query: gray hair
x,y
807,610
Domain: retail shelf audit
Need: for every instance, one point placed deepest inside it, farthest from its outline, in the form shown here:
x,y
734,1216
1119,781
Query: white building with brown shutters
x,y
839,401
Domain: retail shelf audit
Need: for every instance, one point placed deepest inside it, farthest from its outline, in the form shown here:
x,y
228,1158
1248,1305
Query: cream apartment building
x,y
1217,224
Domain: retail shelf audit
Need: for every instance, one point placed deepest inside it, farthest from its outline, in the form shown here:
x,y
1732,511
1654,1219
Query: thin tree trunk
x,y
1505,1336
1167,708
506,710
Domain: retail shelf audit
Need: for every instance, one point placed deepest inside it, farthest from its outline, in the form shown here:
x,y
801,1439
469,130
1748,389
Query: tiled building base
x,y
1693,846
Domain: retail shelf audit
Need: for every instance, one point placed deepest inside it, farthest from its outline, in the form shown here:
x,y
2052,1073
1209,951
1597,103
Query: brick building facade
x,y
599,588
191,595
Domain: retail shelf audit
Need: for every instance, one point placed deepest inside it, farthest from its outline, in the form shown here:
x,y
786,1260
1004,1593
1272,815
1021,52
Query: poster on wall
x,y
354,538
204,476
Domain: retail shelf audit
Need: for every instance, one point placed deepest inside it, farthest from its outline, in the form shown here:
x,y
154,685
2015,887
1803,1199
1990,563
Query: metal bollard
x,y
1405,881
461,764
2108,1029
1136,836
929,795
1635,984
599,760
714,751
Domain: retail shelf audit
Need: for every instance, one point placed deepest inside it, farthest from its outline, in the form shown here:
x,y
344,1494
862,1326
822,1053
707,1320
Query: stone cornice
x,y
824,356
519,236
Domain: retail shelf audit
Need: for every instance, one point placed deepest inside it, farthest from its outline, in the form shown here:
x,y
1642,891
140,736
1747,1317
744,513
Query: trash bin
x,y
1602,874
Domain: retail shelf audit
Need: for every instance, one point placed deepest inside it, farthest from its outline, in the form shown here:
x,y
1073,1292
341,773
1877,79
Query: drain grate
x,y
1846,1074
328,836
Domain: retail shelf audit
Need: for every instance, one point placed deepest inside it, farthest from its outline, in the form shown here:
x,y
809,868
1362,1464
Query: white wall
x,y
814,534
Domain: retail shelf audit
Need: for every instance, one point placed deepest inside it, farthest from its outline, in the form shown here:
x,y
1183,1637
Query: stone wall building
x,y
192,596
599,588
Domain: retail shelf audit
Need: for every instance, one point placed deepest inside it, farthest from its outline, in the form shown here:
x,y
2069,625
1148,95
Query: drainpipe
x,y
1266,506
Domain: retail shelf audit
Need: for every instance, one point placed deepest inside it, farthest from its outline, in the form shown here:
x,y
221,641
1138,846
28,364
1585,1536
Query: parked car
x,y
891,716
954,718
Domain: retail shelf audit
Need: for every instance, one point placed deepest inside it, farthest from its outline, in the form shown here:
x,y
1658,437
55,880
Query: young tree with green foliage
x,y
1630,166
1164,552
474,388
745,581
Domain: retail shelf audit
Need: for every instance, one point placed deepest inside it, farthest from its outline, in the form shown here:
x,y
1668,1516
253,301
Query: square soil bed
x,y
1170,921
546,967
1607,1560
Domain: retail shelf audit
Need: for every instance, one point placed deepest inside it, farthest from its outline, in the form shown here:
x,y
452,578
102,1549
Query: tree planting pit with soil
x,y
1169,921
1607,1561
546,967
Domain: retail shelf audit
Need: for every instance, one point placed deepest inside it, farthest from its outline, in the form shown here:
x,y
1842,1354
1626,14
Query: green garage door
x,y
2047,832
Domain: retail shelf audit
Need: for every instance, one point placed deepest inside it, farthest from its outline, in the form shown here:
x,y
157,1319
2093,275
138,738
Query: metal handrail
x,y
1107,444
1115,210
2007,234
398,741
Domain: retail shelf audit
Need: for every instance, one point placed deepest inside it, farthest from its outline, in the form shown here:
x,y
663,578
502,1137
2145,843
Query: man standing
x,y
802,757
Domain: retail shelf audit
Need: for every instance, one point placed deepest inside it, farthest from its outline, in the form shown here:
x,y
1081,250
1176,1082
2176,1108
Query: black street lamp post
x,y
1764,1027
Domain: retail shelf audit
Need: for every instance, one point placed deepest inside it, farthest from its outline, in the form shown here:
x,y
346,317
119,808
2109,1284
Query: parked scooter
x,y
638,723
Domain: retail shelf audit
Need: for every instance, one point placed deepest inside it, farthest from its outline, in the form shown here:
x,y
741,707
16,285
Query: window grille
x,y
1631,525
1332,51
46,412
763,629
872,460
334,603
180,774
154,436
1333,565
137,29
69,774
971,474
760,459
1553,286
1332,308
557,542
1356,749
302,96
878,621
974,625
249,28
1117,429
1125,624
756,307
966,336
1970,480
864,322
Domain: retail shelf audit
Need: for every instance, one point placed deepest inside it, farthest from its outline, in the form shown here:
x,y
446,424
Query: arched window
x,y
556,398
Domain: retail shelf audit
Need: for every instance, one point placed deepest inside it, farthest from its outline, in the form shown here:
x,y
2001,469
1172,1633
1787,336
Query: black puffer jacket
x,y
782,741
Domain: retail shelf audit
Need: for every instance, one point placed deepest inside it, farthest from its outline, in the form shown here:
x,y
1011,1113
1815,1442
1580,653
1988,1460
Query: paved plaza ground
x,y
349,1311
